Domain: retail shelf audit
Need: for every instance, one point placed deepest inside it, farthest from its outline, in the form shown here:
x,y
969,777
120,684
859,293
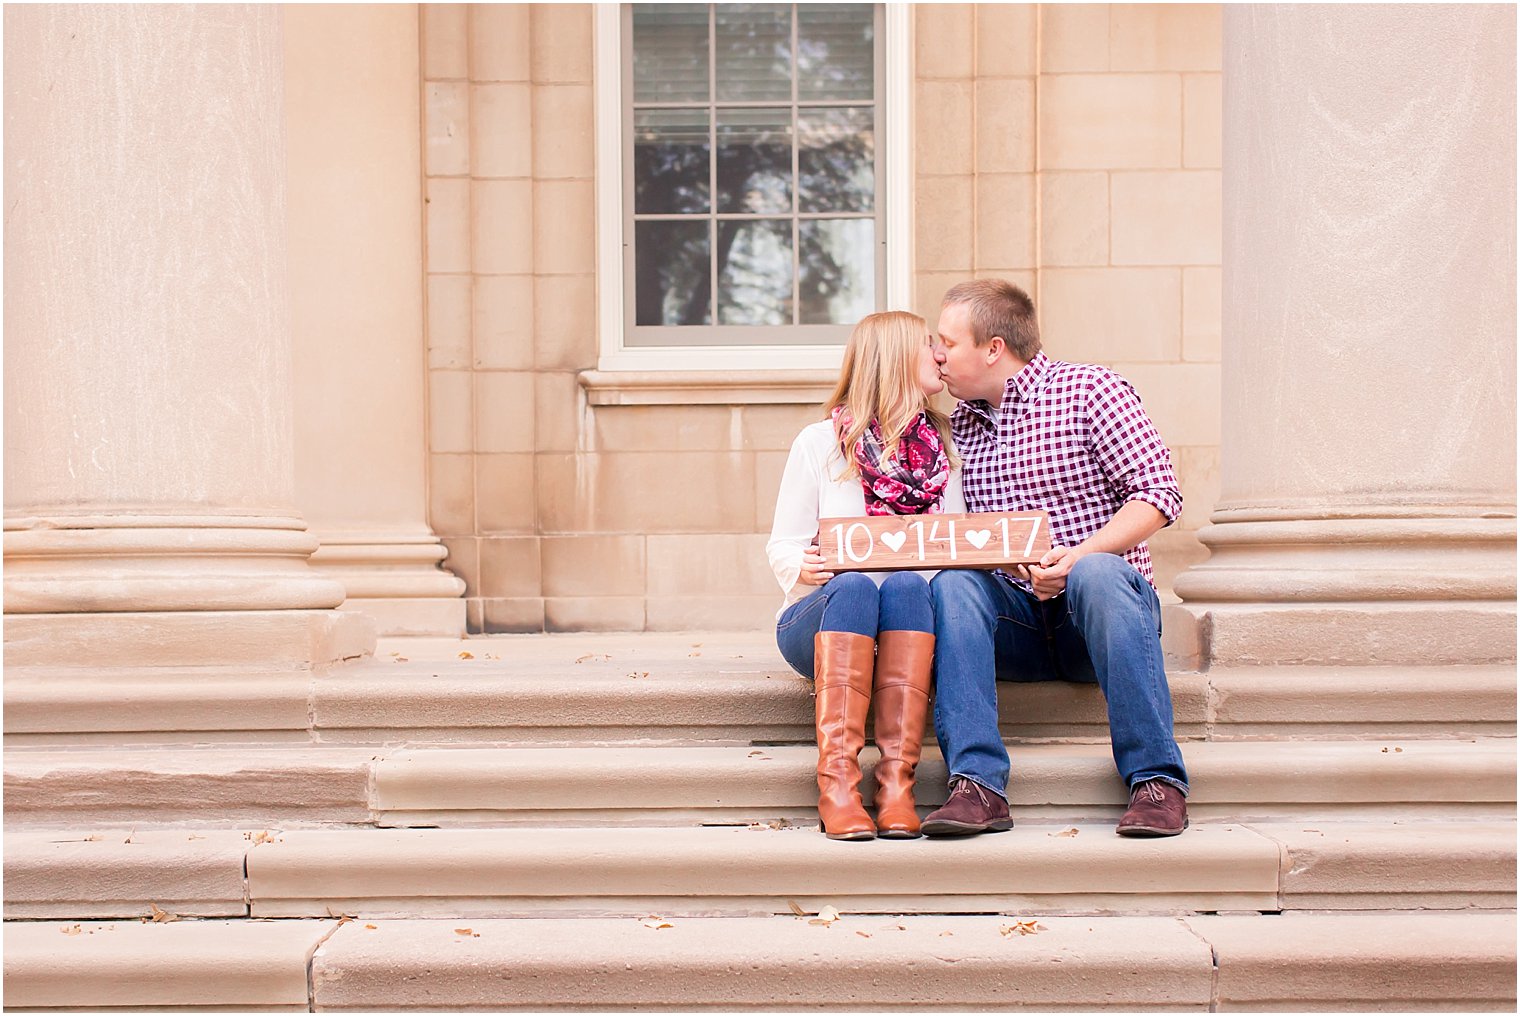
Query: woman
x,y
881,450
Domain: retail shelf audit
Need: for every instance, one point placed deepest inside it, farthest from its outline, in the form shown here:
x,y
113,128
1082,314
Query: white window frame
x,y
895,136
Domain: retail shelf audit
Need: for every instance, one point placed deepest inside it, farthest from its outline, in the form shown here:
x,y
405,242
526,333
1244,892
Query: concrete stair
x,y
1397,778
617,822
1331,962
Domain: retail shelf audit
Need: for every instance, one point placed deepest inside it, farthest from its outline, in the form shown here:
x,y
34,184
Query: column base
x,y
1198,636
395,579
411,615
187,675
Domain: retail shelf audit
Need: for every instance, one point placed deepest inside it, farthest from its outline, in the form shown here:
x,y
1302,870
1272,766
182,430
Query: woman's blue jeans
x,y
1105,628
852,602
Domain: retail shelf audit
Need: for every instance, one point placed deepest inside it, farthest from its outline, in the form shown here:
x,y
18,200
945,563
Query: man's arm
x,y
1136,461
1133,524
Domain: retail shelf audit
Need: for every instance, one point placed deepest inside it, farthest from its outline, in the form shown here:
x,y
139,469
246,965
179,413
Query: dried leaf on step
x,y
779,823
758,754
161,916
262,837
947,934
656,922
694,653
1065,833
469,932
466,656
638,674
593,657
796,908
72,929
862,934
826,917
372,927
402,659
1021,928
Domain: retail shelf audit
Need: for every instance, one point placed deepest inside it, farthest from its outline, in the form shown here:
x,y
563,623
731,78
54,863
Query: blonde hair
x,y
879,381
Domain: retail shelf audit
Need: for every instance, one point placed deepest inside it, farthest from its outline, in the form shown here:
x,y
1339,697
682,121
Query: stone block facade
x,y
1074,150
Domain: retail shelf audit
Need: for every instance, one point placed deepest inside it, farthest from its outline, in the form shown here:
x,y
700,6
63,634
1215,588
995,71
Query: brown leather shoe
x,y
971,809
1156,808
903,659
843,663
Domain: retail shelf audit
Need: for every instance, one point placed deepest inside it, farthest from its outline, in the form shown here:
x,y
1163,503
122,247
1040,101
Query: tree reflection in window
x,y
762,178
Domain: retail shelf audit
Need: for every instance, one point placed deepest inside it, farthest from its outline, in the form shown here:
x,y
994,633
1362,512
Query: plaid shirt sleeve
x,y
1130,449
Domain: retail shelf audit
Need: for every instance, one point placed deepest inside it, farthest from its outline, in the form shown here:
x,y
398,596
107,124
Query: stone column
x,y
150,517
1367,512
353,94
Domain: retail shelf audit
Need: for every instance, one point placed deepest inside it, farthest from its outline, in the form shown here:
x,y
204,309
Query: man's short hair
x,y
998,307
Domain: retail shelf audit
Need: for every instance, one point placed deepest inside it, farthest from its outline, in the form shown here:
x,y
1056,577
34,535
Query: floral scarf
x,y
910,481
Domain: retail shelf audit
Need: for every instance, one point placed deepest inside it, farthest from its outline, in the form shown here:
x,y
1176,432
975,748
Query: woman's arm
x,y
795,526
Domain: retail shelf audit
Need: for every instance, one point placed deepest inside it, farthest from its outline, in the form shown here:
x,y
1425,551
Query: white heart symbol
x,y
978,537
894,540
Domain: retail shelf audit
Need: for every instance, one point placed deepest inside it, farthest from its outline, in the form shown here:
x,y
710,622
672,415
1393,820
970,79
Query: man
x,y
1072,439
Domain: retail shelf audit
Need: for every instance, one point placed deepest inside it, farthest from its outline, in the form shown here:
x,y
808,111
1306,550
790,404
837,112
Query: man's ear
x,y
995,347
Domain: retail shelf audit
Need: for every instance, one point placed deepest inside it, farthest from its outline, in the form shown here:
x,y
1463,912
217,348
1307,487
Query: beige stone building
x,y
327,323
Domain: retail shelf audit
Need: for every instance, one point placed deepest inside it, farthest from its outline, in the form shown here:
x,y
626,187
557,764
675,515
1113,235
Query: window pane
x,y
755,160
672,273
670,156
836,160
669,52
755,272
754,47
835,51
838,270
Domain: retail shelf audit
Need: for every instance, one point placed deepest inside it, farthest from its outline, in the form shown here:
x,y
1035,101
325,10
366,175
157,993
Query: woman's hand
x,y
813,568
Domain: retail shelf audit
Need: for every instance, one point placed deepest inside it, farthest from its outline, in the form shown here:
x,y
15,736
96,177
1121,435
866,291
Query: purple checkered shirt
x,y
1072,439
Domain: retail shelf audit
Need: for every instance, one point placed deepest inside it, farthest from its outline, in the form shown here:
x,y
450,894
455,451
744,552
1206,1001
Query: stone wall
x,y
1071,149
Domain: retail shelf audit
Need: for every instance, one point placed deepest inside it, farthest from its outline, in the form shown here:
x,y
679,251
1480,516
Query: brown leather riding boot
x,y
903,659
842,665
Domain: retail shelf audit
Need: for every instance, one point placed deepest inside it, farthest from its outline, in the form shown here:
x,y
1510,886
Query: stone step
x,y
702,687
1306,962
754,870
668,785
759,870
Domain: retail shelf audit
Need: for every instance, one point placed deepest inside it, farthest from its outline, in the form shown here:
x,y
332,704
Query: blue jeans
x,y
852,602
1106,628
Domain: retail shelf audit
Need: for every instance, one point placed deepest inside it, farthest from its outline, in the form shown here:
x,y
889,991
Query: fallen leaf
x,y
1398,749
466,656
592,656
72,929
395,654
262,837
826,917
1065,833
1021,928
796,908
758,754
345,919
371,927
470,932
161,916
638,674
779,823
947,934
862,934
401,659
656,922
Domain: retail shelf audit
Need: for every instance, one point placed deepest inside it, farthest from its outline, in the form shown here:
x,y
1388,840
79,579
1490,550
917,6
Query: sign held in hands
x,y
898,542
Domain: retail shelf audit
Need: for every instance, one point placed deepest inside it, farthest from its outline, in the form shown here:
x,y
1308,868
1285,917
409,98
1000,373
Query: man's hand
x,y
1049,576
814,571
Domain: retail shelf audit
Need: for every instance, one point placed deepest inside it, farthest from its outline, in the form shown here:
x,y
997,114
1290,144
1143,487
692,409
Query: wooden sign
x,y
897,542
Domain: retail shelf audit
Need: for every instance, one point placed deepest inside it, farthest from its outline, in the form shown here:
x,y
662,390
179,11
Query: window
x,y
752,199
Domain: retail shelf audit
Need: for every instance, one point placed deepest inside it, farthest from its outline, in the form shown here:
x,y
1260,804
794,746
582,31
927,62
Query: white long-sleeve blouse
x,y
813,488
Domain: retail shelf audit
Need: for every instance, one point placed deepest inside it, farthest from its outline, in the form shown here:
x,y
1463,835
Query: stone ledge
x,y
1402,961
706,387
744,964
236,964
737,871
